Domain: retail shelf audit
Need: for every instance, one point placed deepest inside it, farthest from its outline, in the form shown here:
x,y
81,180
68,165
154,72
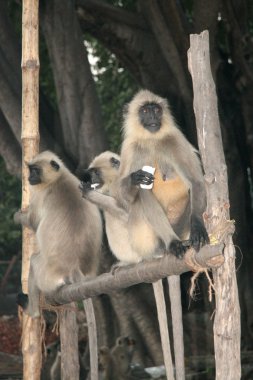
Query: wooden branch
x,y
227,312
79,109
168,47
31,343
149,271
69,344
111,12
10,149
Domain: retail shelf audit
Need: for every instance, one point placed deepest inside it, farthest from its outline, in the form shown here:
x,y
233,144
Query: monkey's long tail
x,y
177,325
163,325
92,333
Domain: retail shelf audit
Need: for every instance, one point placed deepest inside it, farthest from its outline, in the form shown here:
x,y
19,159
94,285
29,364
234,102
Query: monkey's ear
x,y
114,162
54,165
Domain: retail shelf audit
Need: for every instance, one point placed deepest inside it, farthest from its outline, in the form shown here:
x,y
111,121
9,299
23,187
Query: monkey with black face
x,y
103,175
174,212
68,230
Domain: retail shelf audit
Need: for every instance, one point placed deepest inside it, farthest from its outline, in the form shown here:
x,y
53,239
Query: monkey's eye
x,y
145,110
157,109
54,165
114,162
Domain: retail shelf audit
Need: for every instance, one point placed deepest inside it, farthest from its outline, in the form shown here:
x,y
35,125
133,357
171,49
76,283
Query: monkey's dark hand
x,y
198,235
140,177
22,300
85,188
178,248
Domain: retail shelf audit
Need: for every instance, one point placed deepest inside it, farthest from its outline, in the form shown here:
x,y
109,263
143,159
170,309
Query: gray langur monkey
x,y
151,138
115,363
102,175
174,207
68,231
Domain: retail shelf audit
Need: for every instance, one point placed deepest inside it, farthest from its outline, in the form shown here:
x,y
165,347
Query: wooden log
x,y
227,312
69,344
31,342
149,271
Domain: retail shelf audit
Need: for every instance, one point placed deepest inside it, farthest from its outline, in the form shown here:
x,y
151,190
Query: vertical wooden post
x,y
69,344
31,343
163,326
227,313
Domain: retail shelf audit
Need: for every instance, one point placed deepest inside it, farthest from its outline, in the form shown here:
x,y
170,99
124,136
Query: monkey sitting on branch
x,y
99,183
175,210
68,232
171,200
153,221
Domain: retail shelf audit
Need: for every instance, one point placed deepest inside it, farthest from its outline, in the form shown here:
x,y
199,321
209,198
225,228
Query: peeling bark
x,y
227,315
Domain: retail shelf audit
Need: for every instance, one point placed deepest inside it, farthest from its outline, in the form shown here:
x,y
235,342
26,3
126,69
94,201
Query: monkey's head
x,y
102,171
45,168
147,116
104,358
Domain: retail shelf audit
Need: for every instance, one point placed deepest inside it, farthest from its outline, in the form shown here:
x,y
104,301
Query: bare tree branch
x,y
10,149
239,42
10,83
178,25
77,100
126,42
206,17
171,54
113,13
124,277
227,313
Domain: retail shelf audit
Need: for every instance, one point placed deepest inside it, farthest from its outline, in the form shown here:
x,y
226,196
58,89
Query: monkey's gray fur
x,y
168,150
68,229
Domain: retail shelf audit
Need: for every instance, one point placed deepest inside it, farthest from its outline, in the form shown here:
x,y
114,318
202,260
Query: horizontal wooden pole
x,y
148,272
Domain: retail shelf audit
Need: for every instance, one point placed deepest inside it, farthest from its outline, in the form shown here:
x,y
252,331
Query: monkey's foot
x,y
178,248
198,236
115,267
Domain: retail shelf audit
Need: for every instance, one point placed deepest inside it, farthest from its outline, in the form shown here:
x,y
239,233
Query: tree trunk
x,y
79,109
69,344
227,316
31,342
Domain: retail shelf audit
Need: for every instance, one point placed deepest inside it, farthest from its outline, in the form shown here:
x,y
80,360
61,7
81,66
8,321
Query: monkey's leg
x,y
177,325
92,333
33,291
163,326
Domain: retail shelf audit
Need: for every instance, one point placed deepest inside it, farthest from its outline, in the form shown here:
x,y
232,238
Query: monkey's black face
x,y
35,175
92,176
150,116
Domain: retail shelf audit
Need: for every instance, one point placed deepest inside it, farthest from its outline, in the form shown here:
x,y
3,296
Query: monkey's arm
x,y
104,202
188,166
129,186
